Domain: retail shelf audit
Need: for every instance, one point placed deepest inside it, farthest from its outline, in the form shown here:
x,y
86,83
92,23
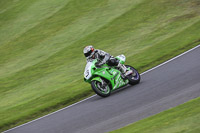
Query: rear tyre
x,y
99,89
133,78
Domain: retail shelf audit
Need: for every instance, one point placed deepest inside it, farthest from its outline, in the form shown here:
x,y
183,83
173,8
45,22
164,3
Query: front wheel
x,y
133,78
99,89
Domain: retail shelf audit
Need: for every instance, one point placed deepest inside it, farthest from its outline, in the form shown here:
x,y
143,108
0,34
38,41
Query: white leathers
x,y
122,67
100,55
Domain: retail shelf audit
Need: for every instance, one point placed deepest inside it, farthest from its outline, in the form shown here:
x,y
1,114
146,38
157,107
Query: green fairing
x,y
122,62
110,74
97,79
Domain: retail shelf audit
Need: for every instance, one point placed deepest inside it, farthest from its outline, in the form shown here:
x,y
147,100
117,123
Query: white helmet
x,y
88,51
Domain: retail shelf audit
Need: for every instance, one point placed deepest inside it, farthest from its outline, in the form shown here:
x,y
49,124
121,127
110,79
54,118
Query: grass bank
x,y
184,118
41,43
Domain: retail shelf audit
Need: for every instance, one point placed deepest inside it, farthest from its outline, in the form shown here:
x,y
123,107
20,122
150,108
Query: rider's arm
x,y
103,56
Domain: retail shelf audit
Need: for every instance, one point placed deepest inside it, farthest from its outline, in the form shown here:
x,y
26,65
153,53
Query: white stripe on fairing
x,y
95,94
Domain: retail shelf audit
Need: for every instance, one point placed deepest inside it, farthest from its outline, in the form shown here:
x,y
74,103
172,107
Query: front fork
x,y
103,83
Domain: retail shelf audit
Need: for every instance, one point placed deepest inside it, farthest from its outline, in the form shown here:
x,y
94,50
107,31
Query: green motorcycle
x,y
106,79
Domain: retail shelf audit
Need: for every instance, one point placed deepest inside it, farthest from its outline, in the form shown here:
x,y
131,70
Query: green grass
x,y
41,43
184,118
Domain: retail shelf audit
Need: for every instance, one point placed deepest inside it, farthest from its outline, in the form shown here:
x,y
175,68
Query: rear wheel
x,y
133,78
99,89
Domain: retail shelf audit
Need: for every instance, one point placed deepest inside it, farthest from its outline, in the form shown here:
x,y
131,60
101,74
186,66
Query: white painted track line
x,y
171,59
95,95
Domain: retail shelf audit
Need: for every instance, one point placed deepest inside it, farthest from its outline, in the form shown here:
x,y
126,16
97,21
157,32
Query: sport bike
x,y
106,79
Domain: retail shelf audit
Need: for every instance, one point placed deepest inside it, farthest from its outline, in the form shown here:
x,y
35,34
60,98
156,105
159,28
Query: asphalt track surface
x,y
162,88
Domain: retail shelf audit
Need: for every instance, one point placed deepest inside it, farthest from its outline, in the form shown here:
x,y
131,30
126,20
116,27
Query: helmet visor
x,y
88,53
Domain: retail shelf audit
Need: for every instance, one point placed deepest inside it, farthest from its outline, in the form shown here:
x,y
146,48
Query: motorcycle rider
x,y
102,57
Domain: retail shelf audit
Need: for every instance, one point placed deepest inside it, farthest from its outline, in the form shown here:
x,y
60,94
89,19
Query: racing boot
x,y
124,70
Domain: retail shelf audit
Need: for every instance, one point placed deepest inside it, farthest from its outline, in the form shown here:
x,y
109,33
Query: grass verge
x,y
184,118
41,42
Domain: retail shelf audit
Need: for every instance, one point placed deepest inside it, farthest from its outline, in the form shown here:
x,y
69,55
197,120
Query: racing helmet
x,y
88,51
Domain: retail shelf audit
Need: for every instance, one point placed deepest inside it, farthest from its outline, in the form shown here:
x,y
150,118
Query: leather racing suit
x,y
103,57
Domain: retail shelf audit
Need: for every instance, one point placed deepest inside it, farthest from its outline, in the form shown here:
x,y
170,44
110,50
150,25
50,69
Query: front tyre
x,y
133,78
99,89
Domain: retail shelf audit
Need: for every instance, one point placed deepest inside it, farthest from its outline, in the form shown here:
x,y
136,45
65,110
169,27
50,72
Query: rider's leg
x,y
114,62
122,68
